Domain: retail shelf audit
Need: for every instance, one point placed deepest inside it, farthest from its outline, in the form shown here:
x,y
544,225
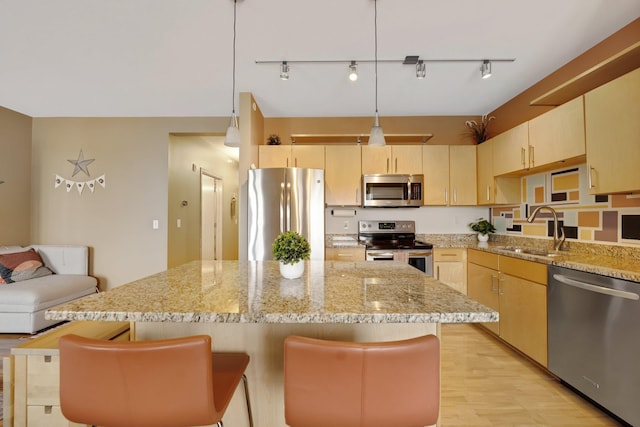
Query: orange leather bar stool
x,y
346,384
162,383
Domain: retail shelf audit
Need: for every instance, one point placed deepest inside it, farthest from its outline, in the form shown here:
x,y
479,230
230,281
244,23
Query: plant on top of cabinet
x,y
273,140
479,131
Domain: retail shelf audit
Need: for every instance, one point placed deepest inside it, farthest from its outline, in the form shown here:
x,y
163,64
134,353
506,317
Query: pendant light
x,y
232,138
376,138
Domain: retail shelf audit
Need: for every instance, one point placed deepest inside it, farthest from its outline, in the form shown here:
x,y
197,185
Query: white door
x,y
210,216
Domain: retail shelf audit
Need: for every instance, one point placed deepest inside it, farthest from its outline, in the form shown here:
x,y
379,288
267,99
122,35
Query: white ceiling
x,y
174,58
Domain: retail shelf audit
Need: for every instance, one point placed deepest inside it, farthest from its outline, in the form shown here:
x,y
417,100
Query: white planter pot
x,y
292,271
483,237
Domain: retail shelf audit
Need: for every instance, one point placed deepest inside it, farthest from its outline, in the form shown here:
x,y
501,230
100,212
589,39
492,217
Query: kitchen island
x,y
247,306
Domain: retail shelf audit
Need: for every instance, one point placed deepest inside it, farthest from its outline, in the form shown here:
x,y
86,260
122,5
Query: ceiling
x,y
121,58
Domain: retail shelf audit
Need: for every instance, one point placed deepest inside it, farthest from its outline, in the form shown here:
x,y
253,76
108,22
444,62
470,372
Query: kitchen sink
x,y
526,251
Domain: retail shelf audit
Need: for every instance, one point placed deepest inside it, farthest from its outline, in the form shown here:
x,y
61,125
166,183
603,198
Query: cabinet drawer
x,y
448,255
485,259
43,377
529,270
344,254
47,416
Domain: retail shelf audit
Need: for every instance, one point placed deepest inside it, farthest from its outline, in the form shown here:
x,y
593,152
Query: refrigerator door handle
x,y
288,206
282,208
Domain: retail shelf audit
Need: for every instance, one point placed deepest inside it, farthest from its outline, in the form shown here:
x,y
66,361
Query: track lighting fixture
x,y
284,70
232,138
376,138
353,71
485,68
421,69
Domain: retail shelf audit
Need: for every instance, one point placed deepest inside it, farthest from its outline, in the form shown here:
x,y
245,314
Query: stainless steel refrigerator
x,y
283,199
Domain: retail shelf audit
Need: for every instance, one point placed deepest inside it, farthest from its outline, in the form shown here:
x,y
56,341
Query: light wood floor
x,y
485,383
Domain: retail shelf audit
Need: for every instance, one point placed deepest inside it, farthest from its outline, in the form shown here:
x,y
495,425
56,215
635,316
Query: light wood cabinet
x,y
450,267
511,150
517,289
462,175
494,190
36,372
288,156
435,163
449,175
612,119
345,254
401,159
482,282
343,175
557,135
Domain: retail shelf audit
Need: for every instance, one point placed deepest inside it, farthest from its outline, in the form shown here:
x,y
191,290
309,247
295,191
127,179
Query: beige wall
x,y
15,171
116,221
186,153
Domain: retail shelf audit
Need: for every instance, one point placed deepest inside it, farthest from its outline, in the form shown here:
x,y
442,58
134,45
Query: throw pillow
x,y
19,266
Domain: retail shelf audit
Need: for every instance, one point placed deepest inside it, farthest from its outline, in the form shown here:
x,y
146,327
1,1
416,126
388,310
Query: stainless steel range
x,y
395,241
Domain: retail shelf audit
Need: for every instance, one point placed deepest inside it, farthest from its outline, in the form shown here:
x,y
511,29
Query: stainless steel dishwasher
x,y
594,338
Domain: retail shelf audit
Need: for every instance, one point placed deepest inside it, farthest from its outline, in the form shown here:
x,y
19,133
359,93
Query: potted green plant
x,y
291,249
483,228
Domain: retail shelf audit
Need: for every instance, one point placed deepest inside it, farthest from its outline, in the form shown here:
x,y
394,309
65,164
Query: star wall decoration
x,y
81,164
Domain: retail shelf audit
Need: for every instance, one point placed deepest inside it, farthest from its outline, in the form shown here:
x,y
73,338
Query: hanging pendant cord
x,y
375,26
233,87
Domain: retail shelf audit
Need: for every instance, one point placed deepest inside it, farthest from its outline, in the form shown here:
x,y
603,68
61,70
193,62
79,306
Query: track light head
x,y
353,71
485,69
284,70
421,69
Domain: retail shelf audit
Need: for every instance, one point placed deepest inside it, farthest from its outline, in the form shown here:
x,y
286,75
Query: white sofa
x,y
23,304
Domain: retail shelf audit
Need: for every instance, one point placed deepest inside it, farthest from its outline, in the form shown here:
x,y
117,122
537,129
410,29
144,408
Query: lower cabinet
x,y
36,373
450,267
517,289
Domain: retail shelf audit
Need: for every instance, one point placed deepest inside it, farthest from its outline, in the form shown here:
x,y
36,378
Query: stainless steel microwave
x,y
392,190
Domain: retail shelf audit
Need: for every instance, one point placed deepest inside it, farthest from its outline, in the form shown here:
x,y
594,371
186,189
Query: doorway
x,y
210,216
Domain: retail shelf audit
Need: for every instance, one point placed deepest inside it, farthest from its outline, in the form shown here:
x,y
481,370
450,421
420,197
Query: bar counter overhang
x,y
247,306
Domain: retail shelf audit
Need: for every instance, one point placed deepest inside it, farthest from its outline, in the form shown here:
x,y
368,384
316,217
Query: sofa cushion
x,y
20,266
44,292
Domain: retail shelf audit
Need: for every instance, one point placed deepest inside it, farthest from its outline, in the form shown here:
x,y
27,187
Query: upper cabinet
x,y
291,156
402,159
449,175
612,118
557,135
510,150
342,176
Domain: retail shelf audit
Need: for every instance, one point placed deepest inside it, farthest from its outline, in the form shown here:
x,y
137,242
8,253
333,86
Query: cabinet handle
x,y
387,165
455,195
532,156
448,254
345,255
287,162
446,195
296,162
522,157
396,166
488,192
590,176
493,287
500,286
438,273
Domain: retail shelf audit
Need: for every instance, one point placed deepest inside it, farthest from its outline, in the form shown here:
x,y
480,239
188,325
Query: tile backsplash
x,y
613,219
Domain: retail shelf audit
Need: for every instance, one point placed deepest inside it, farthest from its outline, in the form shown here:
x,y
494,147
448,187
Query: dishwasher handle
x,y
595,288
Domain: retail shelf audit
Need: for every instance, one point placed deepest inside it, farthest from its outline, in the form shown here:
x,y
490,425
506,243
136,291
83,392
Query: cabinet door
x,y
406,159
482,286
307,156
523,316
486,195
612,119
274,156
558,134
462,175
376,159
435,168
510,150
342,175
450,268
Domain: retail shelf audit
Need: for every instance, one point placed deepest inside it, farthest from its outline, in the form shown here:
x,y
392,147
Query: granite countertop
x,y
254,292
619,267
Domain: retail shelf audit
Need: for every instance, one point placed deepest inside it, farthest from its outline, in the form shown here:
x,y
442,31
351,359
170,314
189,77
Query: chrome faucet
x,y
557,241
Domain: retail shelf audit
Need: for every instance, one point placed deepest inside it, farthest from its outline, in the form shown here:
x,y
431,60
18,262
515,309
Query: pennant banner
x,y
80,185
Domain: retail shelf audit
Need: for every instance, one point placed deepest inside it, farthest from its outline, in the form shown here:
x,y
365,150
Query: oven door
x,y
379,255
422,260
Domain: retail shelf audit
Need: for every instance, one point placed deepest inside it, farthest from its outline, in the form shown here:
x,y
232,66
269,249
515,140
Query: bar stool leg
x,y
246,395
